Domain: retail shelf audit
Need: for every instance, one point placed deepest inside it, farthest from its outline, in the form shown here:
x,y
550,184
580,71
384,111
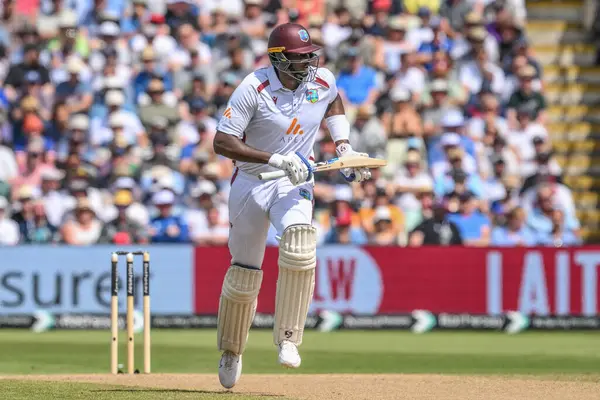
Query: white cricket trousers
x,y
253,204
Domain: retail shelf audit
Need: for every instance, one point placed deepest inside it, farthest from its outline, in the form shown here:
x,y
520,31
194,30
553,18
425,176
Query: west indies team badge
x,y
312,95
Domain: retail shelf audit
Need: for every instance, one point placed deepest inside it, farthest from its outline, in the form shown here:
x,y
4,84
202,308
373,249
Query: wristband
x,y
339,127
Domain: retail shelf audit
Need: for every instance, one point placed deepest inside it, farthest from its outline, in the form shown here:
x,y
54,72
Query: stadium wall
x,y
357,287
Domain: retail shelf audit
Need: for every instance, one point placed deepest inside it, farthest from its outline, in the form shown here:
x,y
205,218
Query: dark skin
x,y
232,147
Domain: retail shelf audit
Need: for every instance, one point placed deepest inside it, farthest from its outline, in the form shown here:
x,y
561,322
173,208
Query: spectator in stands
x,y
357,83
384,233
343,232
439,43
541,215
167,227
381,201
515,233
215,231
76,94
368,134
526,96
559,236
474,226
9,229
436,230
85,228
410,180
123,230
16,78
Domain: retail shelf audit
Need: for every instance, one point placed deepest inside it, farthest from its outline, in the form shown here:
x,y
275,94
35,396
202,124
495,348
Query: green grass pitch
x,y
194,351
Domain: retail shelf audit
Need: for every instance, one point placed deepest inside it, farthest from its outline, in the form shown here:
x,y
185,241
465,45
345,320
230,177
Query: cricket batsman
x,y
271,123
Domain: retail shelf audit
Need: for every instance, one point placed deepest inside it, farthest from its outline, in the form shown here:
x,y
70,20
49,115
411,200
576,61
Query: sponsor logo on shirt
x,y
227,113
294,128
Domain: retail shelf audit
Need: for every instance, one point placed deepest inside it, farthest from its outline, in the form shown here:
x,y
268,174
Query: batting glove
x,y
352,174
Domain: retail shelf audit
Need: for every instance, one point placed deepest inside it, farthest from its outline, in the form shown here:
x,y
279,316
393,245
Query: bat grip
x,y
269,176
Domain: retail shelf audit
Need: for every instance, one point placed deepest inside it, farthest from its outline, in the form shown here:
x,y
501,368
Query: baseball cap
x,y
52,174
382,213
439,85
450,139
343,193
114,98
453,119
123,198
80,122
424,12
109,28
399,94
163,197
197,103
202,188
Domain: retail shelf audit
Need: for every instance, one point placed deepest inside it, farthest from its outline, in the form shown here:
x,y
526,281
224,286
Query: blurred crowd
x,y
108,109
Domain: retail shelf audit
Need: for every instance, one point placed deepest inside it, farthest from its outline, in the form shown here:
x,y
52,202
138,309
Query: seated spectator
x,y
439,43
409,75
75,93
133,130
123,230
384,233
148,73
457,180
215,232
51,197
487,114
367,134
521,137
410,180
31,172
414,216
435,110
559,236
367,214
474,74
15,79
493,186
436,230
474,226
454,156
85,228
357,83
453,122
541,215
167,227
343,232
9,229
515,233
394,44
513,81
526,96
40,231
159,104
402,123
473,37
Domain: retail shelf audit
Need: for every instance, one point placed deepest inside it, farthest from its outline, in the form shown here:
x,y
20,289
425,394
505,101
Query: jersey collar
x,y
276,84
274,81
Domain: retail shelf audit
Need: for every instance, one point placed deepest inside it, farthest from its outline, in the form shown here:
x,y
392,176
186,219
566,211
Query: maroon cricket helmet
x,y
288,39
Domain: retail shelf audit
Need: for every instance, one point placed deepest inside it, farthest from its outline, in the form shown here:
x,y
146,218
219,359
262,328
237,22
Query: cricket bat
x,y
333,164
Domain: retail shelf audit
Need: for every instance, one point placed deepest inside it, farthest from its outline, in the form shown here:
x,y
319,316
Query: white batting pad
x,y
237,307
296,282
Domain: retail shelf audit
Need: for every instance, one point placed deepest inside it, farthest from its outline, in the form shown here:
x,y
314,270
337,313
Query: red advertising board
x,y
371,280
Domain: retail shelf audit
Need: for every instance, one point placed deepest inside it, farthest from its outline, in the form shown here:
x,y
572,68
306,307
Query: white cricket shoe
x,y
230,369
288,355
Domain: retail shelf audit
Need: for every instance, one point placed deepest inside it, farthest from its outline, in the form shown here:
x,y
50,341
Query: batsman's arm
x,y
337,123
234,148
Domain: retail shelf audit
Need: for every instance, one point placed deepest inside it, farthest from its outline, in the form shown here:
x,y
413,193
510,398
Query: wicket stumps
x,y
114,310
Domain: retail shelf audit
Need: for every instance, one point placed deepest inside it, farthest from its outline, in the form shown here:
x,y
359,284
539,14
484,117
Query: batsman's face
x,y
302,63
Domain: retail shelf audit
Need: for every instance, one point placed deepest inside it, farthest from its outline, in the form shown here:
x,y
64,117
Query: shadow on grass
x,y
168,391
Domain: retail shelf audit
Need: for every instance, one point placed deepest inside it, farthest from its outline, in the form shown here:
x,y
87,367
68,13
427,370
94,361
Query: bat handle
x,y
269,176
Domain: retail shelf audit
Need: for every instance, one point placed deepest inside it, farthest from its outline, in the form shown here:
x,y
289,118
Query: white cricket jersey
x,y
271,118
